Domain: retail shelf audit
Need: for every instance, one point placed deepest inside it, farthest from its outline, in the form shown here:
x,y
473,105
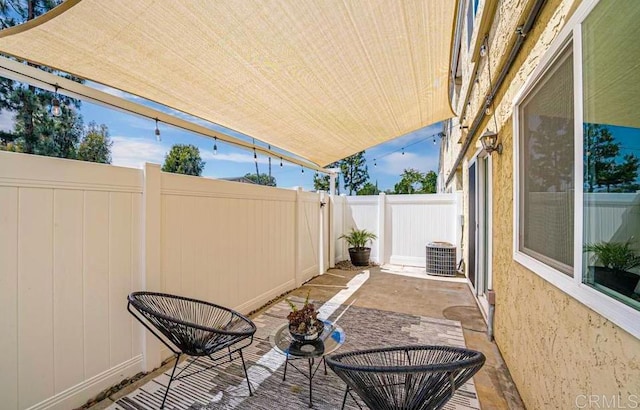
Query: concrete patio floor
x,y
406,290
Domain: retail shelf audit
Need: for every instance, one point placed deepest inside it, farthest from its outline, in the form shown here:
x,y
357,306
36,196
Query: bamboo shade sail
x,y
321,79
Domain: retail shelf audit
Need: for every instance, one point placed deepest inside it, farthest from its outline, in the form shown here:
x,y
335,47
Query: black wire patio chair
x,y
194,328
405,377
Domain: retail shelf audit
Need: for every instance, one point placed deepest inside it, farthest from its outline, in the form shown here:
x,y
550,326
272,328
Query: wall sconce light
x,y
489,141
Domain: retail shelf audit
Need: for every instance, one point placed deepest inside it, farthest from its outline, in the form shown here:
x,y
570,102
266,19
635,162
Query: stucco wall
x,y
556,348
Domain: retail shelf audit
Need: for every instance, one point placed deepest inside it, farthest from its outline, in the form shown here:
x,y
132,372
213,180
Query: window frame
x,y
552,67
617,312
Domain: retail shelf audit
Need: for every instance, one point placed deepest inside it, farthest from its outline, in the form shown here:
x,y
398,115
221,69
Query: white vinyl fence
x,y
612,217
76,238
404,224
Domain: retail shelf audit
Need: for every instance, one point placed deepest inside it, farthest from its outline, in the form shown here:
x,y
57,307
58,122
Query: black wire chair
x,y
193,328
405,377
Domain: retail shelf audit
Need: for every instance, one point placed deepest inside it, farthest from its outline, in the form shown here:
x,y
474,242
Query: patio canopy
x,y
321,79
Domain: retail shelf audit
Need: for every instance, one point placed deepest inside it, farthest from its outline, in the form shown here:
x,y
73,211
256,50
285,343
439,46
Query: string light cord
x,y
437,134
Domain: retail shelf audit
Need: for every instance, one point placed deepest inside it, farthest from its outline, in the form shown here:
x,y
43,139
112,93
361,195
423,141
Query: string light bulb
x,y
215,145
302,169
280,162
158,137
402,150
56,111
255,156
375,163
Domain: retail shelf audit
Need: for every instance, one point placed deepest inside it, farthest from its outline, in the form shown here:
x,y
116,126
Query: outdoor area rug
x,y
225,387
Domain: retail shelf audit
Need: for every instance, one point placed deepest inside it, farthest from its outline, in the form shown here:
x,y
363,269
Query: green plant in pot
x,y
304,324
614,261
358,251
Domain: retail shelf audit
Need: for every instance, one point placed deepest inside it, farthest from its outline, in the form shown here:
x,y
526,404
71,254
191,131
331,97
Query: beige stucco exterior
x,y
558,350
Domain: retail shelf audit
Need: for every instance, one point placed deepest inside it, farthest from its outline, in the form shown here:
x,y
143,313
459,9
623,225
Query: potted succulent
x,y
616,259
359,252
304,324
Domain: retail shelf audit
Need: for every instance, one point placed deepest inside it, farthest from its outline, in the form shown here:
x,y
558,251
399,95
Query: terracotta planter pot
x,y
359,256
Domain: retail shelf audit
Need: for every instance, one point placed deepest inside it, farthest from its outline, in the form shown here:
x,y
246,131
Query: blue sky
x,y
629,139
134,143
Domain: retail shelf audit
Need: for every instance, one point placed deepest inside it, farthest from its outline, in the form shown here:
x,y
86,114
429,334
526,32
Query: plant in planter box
x,y
304,324
358,251
616,260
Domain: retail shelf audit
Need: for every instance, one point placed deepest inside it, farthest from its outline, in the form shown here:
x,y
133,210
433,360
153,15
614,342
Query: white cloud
x,y
134,152
6,120
396,163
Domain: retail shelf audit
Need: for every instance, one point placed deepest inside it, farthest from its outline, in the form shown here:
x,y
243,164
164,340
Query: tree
x,y
410,182
602,166
430,184
369,189
35,131
96,144
321,182
43,134
354,172
17,11
550,143
263,179
183,159
628,174
413,181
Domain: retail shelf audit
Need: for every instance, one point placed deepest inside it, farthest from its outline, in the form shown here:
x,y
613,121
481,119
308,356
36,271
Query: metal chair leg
x,y
166,393
286,363
311,360
344,399
244,366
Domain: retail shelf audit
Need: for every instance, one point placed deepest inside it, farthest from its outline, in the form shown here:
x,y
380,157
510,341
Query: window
x,y
611,140
577,121
547,177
